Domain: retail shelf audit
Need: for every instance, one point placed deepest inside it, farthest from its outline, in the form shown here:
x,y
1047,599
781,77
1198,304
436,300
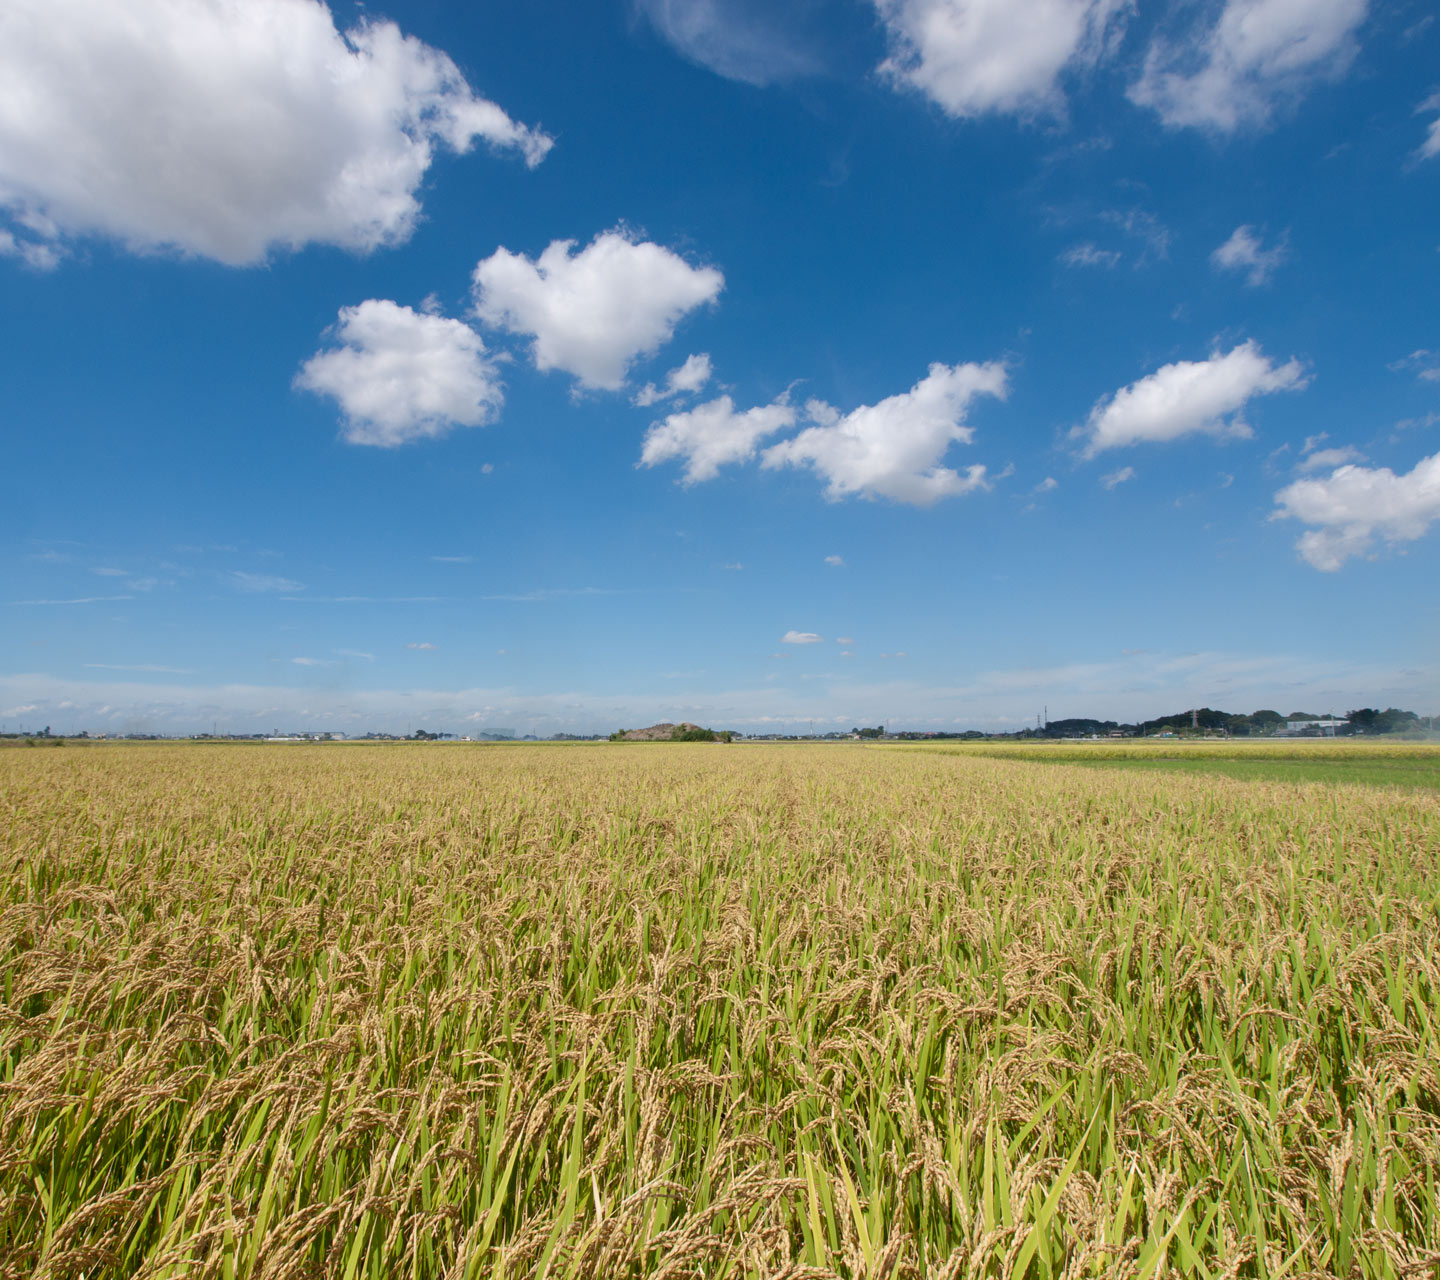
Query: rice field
x,y
685,1011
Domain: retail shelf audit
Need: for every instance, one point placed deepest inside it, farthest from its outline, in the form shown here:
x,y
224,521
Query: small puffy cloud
x,y
592,313
1047,484
401,375
973,57
1329,459
685,380
894,449
1355,505
260,582
1430,148
1257,53
424,645
745,40
1089,255
1243,251
1188,397
1117,478
837,561
844,640
310,662
899,653
800,637
224,130
711,435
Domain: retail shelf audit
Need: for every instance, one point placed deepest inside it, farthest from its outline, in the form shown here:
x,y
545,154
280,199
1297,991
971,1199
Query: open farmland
x,y
710,1011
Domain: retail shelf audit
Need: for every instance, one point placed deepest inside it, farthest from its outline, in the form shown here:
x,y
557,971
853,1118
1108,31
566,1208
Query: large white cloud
x,y
894,449
224,129
711,435
978,56
1355,505
401,375
592,313
1257,53
1187,397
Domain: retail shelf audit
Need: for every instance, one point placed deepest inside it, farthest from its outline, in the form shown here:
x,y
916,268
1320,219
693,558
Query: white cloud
x,y
711,435
1047,484
1243,251
107,572
1355,505
310,662
977,56
40,256
1425,363
1430,148
1257,53
844,640
257,582
1117,478
355,653
1089,255
400,375
424,645
1187,397
685,380
1329,459
894,449
800,637
837,561
592,313
224,129
898,654
742,40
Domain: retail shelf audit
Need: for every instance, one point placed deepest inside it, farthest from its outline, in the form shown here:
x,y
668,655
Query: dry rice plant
x,y
416,1011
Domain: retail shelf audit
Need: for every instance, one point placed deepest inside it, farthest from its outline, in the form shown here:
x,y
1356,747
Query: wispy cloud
x,y
1089,255
837,561
453,559
140,666
258,582
74,600
355,653
1117,478
422,644
800,637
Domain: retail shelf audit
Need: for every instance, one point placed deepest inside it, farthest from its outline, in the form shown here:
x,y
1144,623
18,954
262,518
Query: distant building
x,y
1322,728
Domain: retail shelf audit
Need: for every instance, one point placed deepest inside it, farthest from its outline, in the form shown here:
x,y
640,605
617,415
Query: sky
x,y
569,366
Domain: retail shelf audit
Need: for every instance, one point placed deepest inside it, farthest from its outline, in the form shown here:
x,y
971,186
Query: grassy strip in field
x,y
1387,765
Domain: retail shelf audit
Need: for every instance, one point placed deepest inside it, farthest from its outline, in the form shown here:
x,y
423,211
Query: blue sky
x,y
571,366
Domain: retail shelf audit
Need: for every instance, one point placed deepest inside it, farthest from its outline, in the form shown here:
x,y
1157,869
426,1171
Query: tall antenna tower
x,y
1194,718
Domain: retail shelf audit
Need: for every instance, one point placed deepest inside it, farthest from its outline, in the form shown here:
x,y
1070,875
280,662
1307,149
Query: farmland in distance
x,y
672,1010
